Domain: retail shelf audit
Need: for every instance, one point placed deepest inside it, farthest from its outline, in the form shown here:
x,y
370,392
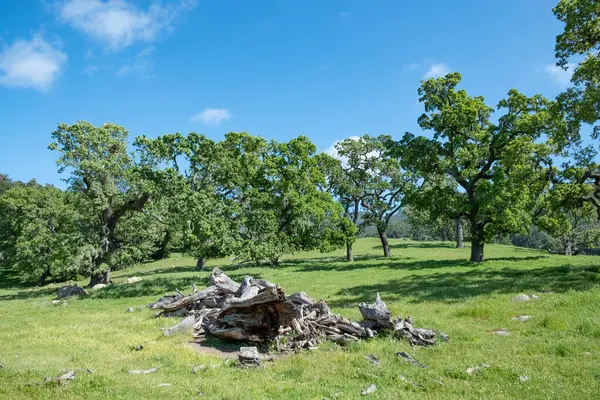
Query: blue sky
x,y
328,69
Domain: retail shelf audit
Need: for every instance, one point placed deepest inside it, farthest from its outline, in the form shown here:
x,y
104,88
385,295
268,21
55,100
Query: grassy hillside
x,y
559,349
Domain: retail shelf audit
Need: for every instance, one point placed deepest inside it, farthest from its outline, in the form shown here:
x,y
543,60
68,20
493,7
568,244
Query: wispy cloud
x,y
437,70
212,116
559,76
34,63
120,23
141,64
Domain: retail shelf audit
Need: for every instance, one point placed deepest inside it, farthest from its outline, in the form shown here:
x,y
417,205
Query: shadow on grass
x,y
453,286
157,286
28,294
421,245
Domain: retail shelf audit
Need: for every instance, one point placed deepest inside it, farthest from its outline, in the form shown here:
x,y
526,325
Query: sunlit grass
x,y
559,349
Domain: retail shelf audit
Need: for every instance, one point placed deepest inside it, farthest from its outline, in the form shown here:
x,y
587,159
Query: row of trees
x,y
492,168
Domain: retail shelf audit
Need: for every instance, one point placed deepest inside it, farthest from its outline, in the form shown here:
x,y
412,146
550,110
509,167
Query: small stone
x,y
413,383
67,291
477,368
99,286
523,378
89,371
56,302
67,376
134,279
198,368
373,359
164,384
522,318
519,298
371,389
405,356
501,332
130,309
138,347
534,297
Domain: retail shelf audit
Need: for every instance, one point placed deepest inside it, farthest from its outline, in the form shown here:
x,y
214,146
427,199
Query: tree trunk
x,y
476,250
349,255
384,244
459,233
568,247
100,277
163,250
200,263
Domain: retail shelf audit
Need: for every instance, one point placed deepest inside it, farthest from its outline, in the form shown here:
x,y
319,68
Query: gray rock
x,y
534,297
523,378
520,298
522,318
405,356
56,302
130,309
67,291
501,332
373,359
134,279
371,389
99,286
477,368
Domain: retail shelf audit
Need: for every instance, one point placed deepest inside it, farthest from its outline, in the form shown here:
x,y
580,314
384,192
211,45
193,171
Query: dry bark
x,y
259,311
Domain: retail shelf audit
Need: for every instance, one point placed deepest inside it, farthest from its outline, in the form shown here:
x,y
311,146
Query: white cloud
x,y
141,63
559,76
212,116
437,70
118,23
31,64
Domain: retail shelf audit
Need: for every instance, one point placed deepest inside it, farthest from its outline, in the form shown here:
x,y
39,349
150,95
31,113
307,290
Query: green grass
x,y
559,349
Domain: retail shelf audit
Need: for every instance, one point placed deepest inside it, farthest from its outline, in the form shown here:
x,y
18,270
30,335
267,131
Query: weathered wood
x,y
187,323
258,311
223,283
377,313
185,301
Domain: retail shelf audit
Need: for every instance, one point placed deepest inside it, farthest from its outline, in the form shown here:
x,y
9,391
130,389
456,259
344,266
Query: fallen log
x,y
258,311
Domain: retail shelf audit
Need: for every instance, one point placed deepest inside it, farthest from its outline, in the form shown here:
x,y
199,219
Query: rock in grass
x,y
143,371
405,356
534,297
99,286
371,389
520,298
164,385
523,378
198,368
500,332
410,382
130,309
477,368
67,291
522,318
249,356
134,279
373,359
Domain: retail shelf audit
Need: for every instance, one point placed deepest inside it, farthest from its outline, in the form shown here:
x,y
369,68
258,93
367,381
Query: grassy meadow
x,y
558,349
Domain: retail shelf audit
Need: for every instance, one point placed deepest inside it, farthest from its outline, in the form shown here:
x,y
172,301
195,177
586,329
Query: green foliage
x,y
110,185
495,165
38,233
580,38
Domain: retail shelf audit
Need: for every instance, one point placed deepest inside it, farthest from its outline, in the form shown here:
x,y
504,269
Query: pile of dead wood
x,y
258,311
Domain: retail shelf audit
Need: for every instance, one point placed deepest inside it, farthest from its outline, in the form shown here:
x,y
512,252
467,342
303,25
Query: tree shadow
x,y
421,245
157,286
28,294
453,286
